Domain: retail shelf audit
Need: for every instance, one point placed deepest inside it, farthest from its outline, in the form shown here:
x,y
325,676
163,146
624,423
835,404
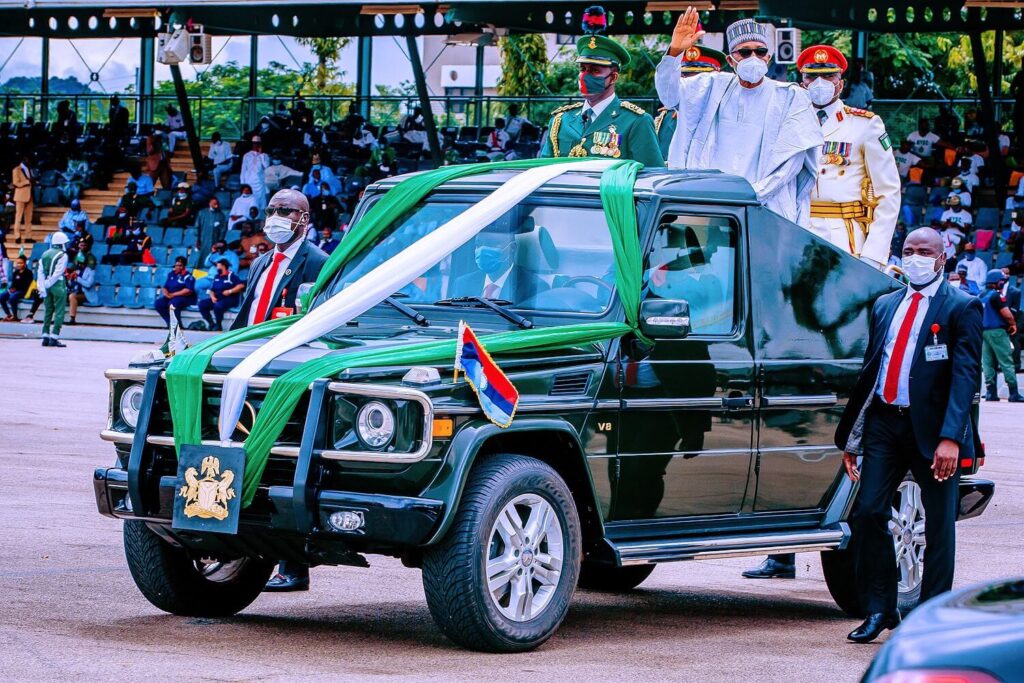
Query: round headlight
x,y
375,425
131,404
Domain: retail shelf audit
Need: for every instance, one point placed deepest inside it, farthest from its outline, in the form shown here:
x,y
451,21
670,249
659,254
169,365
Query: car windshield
x,y
537,257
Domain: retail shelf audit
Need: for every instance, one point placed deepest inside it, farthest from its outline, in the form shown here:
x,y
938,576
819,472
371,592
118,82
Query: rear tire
x,y
178,583
502,578
607,578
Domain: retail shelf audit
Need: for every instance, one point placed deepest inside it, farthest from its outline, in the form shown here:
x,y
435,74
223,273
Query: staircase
x,y
93,200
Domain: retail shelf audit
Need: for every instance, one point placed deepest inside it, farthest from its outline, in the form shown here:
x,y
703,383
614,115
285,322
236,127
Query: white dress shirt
x,y
220,153
289,254
594,111
499,283
903,388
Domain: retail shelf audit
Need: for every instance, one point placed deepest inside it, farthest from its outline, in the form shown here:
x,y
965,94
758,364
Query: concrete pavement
x,y
71,611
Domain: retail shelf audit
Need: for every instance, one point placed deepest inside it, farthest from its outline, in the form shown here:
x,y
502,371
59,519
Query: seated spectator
x,y
277,172
971,179
353,120
414,129
143,183
212,224
240,208
326,174
957,187
514,125
73,217
224,294
158,161
81,282
221,157
972,126
1004,144
138,244
74,178
952,238
956,213
178,291
977,269
252,244
202,190
81,239
17,289
175,128
302,116
133,202
976,156
498,141
218,253
958,279
905,159
923,139
181,213
324,208
312,188
362,138
327,241
117,225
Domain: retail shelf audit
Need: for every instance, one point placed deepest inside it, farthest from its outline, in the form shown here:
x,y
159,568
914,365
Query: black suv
x,y
714,439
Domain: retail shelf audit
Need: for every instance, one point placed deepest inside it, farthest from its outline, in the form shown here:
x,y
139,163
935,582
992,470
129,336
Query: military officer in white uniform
x,y
856,201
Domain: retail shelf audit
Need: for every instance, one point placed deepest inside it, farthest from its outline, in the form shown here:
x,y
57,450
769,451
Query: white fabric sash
x,y
387,278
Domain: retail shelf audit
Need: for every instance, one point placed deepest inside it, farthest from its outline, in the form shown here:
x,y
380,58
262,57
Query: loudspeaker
x,y
172,48
200,46
787,45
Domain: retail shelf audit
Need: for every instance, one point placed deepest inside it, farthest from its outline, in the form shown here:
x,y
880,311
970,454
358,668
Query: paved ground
x,y
70,609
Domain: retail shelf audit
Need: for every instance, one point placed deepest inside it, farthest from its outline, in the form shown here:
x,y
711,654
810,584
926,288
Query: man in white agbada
x,y
254,167
743,123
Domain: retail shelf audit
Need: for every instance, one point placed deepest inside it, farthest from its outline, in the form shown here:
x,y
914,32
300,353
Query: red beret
x,y
821,59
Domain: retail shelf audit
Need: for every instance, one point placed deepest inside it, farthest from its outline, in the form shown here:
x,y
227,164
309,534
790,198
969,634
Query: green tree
x,y
328,52
524,63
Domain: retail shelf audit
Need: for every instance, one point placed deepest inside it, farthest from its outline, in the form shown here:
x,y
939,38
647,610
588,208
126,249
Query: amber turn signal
x,y
443,427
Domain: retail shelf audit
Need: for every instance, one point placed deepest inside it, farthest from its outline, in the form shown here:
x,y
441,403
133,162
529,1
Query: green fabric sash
x,y
184,374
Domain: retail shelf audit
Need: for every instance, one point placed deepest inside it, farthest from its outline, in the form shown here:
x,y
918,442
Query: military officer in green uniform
x,y
696,60
51,287
602,126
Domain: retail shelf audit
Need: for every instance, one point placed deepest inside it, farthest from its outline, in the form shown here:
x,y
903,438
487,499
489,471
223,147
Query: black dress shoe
x,y
771,569
57,343
46,341
282,583
873,626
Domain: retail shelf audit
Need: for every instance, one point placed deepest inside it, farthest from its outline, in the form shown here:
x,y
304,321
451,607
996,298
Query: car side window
x,y
694,258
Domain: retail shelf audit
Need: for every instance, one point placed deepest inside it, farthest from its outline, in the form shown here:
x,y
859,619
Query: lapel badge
x,y
288,271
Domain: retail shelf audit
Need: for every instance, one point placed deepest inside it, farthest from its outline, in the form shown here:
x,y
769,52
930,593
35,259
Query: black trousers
x,y
890,451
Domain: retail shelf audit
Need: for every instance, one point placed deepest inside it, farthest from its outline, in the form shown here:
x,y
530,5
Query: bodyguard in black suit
x,y
911,410
297,260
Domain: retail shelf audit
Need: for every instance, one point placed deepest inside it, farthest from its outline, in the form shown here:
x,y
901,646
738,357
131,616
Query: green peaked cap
x,y
601,50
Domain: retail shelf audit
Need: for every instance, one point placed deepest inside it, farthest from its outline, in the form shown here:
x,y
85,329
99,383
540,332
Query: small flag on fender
x,y
498,397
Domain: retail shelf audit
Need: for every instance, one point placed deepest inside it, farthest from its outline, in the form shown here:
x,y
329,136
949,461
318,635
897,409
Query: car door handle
x,y
738,402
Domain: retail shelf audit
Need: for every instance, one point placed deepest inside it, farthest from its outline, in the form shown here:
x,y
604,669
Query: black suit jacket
x,y
305,267
941,392
519,286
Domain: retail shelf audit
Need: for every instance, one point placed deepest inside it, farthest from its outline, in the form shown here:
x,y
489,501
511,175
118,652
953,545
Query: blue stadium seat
x,y
190,237
161,254
160,277
172,237
99,249
193,258
98,232
175,253
37,250
162,197
127,296
243,274
109,211
225,200
104,274
143,276
934,213
116,249
147,296
122,275
108,296
156,233
987,218
232,236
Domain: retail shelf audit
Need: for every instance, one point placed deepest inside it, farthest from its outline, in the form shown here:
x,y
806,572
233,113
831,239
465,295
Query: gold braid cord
x,y
659,120
556,124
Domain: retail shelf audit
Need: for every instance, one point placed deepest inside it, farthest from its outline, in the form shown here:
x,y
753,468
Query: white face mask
x,y
1014,228
920,270
278,229
752,69
821,91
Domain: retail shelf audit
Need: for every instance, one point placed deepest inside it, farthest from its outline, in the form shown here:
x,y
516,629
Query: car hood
x,y
228,358
977,627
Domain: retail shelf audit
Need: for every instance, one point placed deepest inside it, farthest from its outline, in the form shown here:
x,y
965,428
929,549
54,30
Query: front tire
x,y
502,578
176,582
906,525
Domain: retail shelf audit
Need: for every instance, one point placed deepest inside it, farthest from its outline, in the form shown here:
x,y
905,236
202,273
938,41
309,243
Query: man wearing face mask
x,y
856,201
254,168
744,123
498,276
602,126
911,410
277,274
697,60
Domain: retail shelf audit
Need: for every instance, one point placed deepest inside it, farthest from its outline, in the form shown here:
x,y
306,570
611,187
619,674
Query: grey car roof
x,y
708,186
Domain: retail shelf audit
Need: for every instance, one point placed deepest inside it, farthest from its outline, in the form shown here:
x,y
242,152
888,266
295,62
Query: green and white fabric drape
x,y
184,375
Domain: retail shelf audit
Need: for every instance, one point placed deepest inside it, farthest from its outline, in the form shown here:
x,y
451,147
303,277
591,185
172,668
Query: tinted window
x,y
694,258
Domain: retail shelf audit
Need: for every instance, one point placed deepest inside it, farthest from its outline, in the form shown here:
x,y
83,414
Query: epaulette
x,y
854,111
632,107
566,107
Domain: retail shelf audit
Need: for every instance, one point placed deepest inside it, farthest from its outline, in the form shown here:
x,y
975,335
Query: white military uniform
x,y
856,201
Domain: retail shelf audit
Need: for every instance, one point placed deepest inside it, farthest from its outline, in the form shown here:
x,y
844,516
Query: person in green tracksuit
x,y
51,287
602,126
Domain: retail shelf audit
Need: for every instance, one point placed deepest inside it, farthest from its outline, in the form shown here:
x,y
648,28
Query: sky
x,y
117,64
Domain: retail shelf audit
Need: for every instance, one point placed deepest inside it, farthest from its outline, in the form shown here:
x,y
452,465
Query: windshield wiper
x,y
409,313
496,305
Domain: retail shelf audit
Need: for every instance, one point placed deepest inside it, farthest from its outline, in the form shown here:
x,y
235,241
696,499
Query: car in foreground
x,y
973,635
705,433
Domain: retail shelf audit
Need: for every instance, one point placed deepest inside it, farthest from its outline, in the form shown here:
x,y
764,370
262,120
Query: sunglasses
x,y
745,52
283,211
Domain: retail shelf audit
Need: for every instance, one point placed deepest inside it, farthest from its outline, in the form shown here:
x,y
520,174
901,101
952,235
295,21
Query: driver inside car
x,y
680,270
497,275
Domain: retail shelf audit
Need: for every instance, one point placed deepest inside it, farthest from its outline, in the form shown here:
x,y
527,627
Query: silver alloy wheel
x,y
907,528
524,559
215,570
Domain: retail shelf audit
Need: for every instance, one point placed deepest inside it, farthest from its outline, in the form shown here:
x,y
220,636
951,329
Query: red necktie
x,y
892,376
268,289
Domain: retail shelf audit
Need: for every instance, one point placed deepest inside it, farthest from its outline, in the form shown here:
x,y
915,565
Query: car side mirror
x,y
665,318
